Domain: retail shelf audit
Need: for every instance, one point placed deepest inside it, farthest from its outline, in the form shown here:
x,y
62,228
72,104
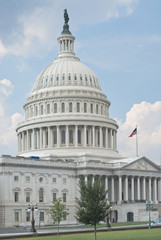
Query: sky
x,y
120,40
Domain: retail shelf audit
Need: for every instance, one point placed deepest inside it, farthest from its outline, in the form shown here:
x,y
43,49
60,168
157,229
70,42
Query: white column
x,y
49,138
85,178
112,188
40,137
155,191
93,136
126,188
33,138
149,188
58,136
159,189
22,141
132,188
106,185
27,140
76,136
120,189
138,188
77,187
85,136
100,130
106,138
144,188
44,138
93,179
110,138
67,136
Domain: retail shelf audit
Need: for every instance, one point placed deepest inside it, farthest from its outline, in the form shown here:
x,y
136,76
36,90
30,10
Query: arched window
x,y
96,108
91,107
79,136
85,107
71,136
62,136
55,107
63,107
70,107
101,110
48,108
42,109
78,107
36,111
41,195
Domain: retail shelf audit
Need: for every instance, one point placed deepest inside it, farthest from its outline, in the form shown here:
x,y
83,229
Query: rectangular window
x,y
27,196
16,178
91,107
64,197
41,216
54,197
27,216
55,107
64,180
27,178
78,107
16,196
54,180
16,216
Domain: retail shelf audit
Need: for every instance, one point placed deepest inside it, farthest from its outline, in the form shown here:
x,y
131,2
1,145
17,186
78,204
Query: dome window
x,y
57,78
90,79
55,107
51,79
85,107
78,107
42,82
96,108
91,107
71,136
36,110
75,77
48,108
69,77
70,107
86,79
63,77
80,77
63,107
42,110
46,80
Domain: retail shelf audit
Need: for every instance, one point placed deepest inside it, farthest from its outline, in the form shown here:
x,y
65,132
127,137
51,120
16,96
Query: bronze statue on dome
x,y
66,18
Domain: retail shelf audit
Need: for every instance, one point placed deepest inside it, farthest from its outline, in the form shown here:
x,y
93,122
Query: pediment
x,y
142,164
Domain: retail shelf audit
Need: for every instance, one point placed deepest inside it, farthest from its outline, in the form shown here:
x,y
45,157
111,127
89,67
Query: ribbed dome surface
x,y
66,71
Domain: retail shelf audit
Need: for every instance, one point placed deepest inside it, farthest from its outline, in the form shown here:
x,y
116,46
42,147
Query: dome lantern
x,y
66,40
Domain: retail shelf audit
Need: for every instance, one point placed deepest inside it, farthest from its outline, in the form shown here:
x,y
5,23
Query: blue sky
x,y
120,40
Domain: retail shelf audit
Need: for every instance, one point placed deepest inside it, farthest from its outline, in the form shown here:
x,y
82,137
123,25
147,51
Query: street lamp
x,y
108,218
149,206
31,209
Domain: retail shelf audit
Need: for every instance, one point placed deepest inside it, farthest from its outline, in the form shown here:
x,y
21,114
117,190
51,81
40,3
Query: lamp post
x,y
108,218
149,206
31,209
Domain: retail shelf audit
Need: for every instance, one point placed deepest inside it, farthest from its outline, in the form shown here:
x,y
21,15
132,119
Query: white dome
x,y
66,71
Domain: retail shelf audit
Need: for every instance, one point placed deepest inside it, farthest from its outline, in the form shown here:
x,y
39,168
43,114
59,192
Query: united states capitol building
x,y
67,134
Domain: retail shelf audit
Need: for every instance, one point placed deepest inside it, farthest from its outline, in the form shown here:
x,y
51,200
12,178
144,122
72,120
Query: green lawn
x,y
143,234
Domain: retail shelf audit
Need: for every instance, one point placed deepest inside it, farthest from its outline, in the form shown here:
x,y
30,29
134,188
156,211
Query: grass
x,y
141,234
89,226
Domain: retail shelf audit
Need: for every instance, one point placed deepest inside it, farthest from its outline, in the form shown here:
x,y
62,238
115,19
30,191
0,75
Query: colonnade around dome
x,y
85,136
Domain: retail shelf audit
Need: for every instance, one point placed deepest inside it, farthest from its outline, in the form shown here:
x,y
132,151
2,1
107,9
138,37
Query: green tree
x,y
58,211
92,206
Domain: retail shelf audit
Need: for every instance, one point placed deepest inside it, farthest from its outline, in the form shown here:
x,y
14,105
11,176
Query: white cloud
x,y
8,123
147,117
37,29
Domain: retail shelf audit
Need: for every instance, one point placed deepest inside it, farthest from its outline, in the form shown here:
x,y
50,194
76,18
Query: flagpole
x,y
137,142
